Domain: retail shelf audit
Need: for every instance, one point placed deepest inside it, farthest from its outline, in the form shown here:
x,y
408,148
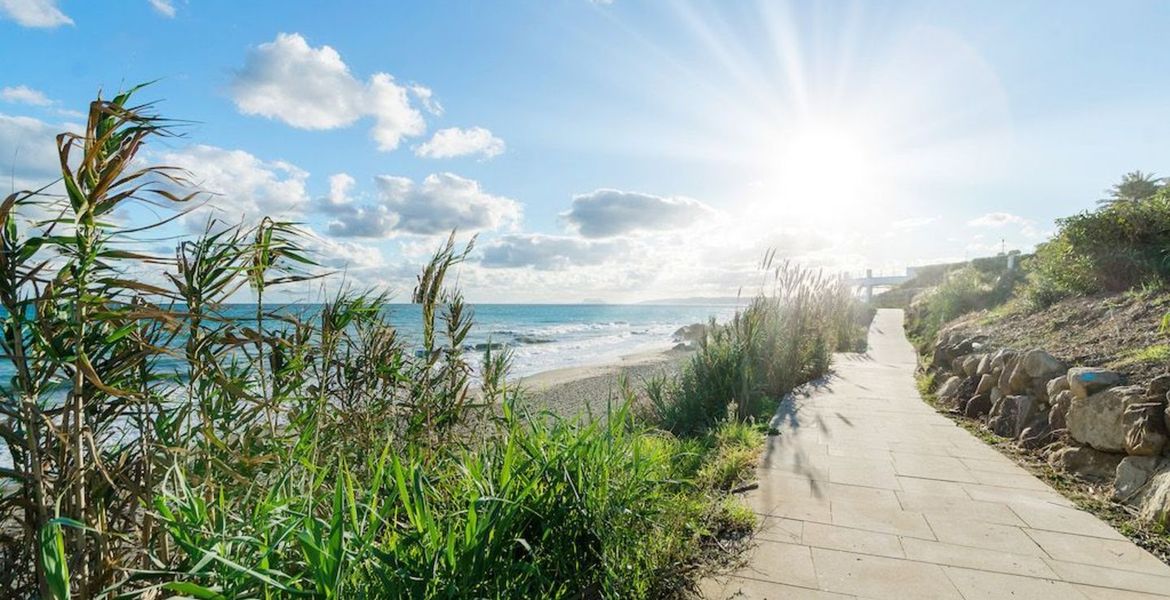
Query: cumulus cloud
x,y
440,203
608,213
243,186
34,13
997,219
453,141
549,252
29,153
22,94
165,8
312,88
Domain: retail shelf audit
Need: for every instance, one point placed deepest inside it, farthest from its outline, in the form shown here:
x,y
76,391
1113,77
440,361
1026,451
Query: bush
x,y
548,508
962,291
785,337
1115,248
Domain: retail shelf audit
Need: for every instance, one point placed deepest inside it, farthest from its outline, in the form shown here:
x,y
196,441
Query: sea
x,y
541,337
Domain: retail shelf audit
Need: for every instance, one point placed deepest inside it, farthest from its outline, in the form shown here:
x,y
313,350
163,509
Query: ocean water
x,y
541,336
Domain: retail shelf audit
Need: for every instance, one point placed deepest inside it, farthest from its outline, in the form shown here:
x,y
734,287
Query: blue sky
x,y
621,150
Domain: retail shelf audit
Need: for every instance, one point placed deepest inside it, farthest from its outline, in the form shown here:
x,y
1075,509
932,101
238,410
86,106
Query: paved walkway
x,y
869,493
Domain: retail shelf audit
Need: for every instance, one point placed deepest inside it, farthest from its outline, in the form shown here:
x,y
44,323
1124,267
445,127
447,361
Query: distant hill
x,y
699,300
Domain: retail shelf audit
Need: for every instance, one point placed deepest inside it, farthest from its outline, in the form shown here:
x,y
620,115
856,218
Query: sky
x,y
617,150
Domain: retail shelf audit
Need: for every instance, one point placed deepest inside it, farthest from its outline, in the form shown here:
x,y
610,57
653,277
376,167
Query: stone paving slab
x,y
869,493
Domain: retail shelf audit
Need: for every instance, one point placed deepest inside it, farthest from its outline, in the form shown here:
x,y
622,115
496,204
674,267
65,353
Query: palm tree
x,y
1133,187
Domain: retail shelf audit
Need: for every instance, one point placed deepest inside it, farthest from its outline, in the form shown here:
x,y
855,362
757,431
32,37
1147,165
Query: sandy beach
x,y
574,390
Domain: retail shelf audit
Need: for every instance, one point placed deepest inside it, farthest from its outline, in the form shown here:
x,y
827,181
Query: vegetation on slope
x,y
1119,248
310,453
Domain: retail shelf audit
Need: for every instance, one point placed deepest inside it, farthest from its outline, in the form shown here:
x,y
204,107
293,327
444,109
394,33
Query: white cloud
x,y
34,13
607,212
165,8
22,94
426,97
243,187
28,153
453,141
550,252
997,219
440,203
340,184
312,88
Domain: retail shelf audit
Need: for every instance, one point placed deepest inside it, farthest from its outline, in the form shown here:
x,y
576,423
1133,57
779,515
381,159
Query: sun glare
x,y
823,170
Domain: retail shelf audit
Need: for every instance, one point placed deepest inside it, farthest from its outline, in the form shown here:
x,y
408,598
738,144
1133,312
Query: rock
x,y
984,367
977,406
1058,411
957,366
950,387
1005,376
971,364
1145,429
1020,381
1086,381
985,385
681,346
1132,474
1027,409
1037,433
999,360
1086,462
1041,365
1096,420
1002,419
1055,386
1155,501
691,333
1157,388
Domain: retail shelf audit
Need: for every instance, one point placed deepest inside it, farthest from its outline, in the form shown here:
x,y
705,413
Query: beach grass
x,y
314,455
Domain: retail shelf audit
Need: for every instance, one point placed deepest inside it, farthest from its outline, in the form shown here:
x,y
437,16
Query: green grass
x,y
1156,353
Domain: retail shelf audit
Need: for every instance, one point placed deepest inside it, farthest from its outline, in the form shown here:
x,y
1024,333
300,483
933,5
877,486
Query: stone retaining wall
x,y
1086,421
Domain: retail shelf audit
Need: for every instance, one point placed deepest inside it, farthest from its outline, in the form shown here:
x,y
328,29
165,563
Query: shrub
x,y
1114,248
785,337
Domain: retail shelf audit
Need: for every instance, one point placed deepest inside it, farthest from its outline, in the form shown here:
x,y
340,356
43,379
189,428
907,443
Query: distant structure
x,y
866,284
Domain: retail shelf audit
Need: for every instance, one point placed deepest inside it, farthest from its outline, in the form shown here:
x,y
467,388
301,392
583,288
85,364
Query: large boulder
x,y
977,406
1027,409
1145,429
1019,382
971,364
1155,502
984,367
1041,365
1086,462
1058,411
1086,381
1010,362
950,387
999,359
1004,416
1132,474
1096,420
985,385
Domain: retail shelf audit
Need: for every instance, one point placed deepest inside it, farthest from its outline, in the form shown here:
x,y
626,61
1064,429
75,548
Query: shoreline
x,y
587,389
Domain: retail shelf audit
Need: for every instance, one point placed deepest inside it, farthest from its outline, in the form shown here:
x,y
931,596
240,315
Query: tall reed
x,y
163,446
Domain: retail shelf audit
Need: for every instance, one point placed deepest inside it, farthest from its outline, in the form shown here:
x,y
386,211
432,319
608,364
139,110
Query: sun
x,y
823,169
